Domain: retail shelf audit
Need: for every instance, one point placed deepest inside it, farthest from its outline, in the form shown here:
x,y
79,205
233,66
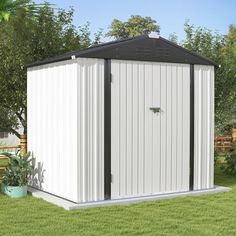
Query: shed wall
x,y
66,128
52,127
204,127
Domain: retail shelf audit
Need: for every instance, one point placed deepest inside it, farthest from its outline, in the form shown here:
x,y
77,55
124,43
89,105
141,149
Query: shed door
x,y
149,151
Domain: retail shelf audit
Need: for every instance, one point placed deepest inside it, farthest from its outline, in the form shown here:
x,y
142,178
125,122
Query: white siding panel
x,y
156,167
141,148
163,128
91,129
174,127
66,128
148,148
185,130
148,142
168,128
204,127
135,125
129,169
52,127
179,125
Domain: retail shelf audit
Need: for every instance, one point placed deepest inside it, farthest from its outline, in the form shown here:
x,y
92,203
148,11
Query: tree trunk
x,y
15,132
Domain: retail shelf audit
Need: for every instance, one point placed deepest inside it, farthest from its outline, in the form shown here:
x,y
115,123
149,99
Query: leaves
x,y
4,15
135,25
18,170
230,162
25,39
219,49
8,7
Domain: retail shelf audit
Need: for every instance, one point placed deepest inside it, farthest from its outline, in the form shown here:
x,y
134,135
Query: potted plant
x,y
16,175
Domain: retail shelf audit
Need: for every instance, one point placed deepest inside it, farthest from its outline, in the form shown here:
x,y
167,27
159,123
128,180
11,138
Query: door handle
x,y
155,109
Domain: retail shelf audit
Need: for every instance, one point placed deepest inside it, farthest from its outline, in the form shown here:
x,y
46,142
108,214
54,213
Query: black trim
x,y
107,129
140,48
191,177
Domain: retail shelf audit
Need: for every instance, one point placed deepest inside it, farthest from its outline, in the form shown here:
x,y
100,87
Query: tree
x,y
173,38
135,25
217,48
8,7
229,50
24,40
229,56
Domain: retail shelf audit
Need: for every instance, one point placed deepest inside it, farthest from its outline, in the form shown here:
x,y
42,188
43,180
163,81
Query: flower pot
x,y
15,191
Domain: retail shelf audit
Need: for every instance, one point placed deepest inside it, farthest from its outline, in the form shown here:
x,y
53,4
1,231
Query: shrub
x,y
230,162
216,157
18,170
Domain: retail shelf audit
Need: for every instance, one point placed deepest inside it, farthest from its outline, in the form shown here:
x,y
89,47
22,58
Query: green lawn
x,y
204,215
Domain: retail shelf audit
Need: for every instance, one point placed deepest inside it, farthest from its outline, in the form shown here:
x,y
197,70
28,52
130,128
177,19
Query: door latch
x,y
155,109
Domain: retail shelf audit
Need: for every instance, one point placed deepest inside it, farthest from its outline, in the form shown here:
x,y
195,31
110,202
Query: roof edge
x,y
78,52
190,52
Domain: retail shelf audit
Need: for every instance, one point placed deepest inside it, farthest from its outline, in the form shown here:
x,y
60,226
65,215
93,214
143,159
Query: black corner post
x,y
107,129
191,176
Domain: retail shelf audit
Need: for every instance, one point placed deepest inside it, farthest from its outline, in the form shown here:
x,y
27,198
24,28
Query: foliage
x,y
98,36
24,40
229,50
18,169
213,46
135,25
8,7
230,162
216,156
173,38
228,79
227,129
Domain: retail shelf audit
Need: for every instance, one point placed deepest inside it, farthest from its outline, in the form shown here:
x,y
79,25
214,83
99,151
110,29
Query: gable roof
x,y
140,48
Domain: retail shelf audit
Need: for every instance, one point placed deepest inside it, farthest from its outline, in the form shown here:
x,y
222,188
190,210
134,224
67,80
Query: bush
x,y
18,170
230,162
216,157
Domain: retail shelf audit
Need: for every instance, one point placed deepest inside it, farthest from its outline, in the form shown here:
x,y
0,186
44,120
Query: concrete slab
x,y
68,205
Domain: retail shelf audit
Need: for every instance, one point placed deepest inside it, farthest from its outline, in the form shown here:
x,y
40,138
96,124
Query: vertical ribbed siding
x,y
66,128
149,152
91,129
52,127
204,127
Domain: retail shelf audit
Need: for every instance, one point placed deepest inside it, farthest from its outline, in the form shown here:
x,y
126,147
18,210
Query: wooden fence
x,y
22,148
223,143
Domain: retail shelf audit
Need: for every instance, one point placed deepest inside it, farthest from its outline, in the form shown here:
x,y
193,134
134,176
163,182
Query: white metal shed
x,y
123,119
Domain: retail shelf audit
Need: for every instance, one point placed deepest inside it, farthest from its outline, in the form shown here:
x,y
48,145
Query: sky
x,y
215,15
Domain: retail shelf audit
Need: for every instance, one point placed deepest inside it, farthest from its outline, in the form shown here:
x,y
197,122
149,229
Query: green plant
x,y
230,162
9,7
24,40
18,169
216,157
134,26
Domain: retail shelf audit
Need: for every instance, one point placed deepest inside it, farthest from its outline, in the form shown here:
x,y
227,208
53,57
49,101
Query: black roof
x,y
140,48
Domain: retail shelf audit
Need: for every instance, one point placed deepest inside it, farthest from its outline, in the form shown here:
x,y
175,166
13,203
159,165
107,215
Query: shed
x,y
124,119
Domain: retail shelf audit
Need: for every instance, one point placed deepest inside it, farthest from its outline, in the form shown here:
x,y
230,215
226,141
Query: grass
x,y
199,215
